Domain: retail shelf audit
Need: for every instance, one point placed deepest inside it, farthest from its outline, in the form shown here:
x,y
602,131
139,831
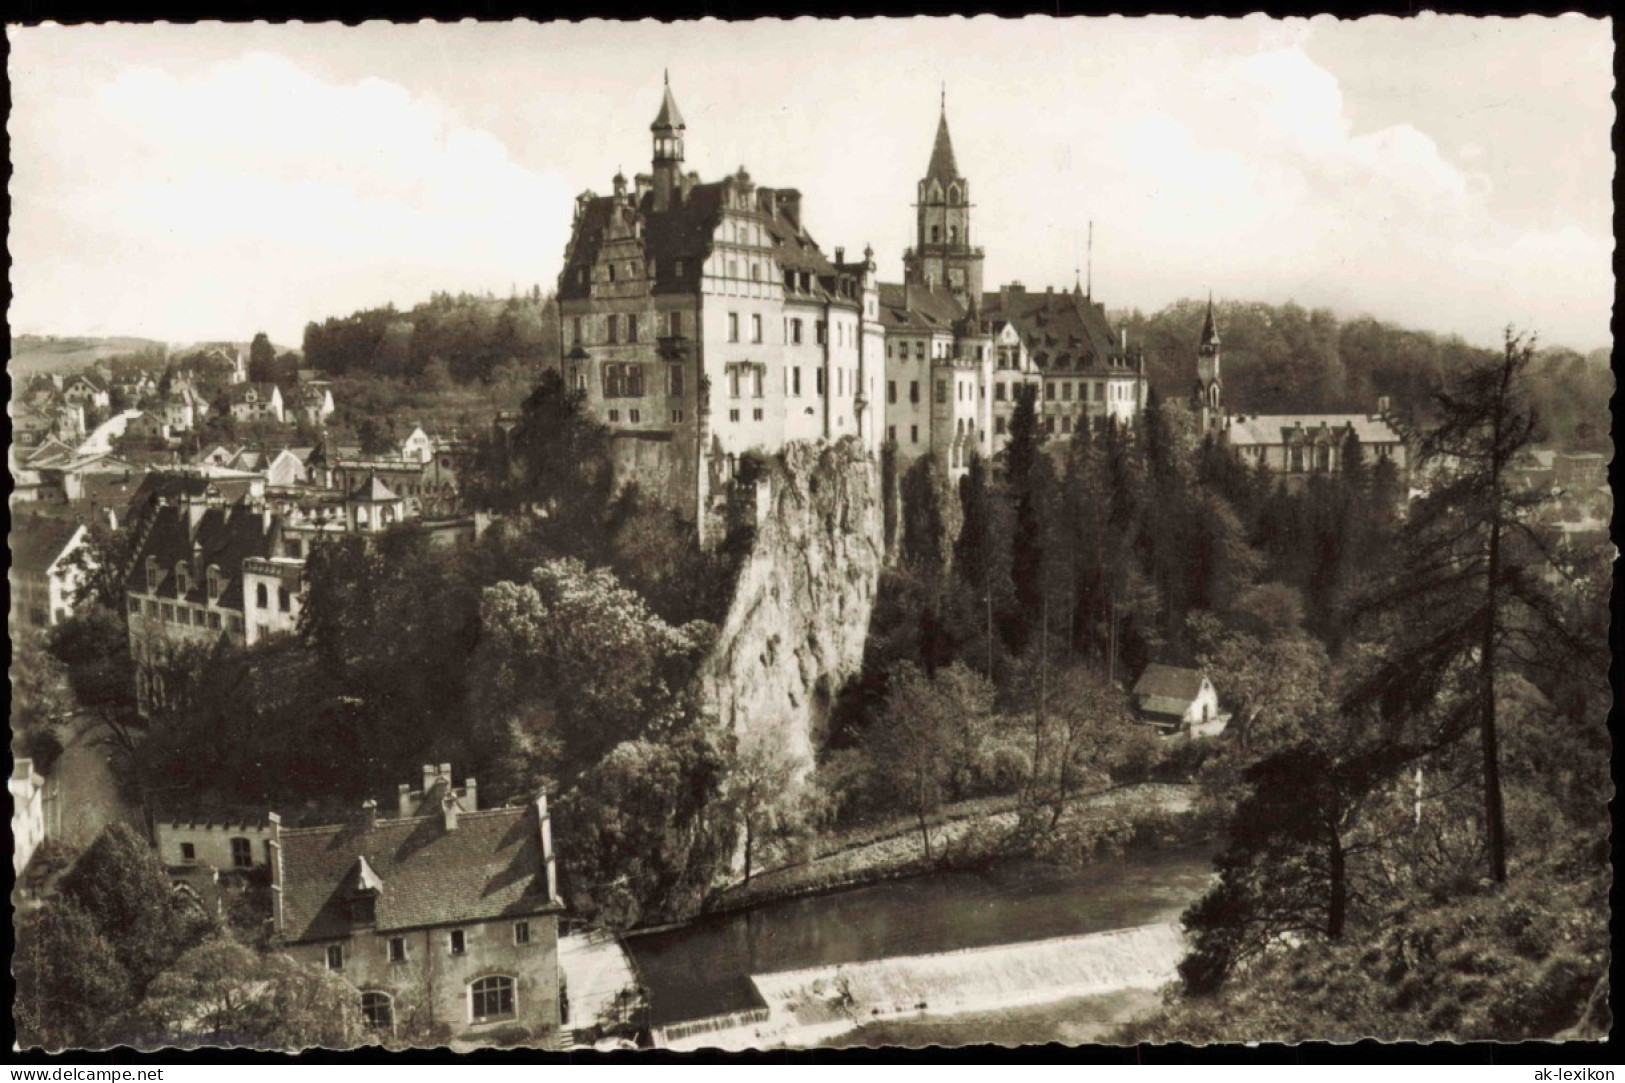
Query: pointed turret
x,y
1210,329
668,128
669,117
943,167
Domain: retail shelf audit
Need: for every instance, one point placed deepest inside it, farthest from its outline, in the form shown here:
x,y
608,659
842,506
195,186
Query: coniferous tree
x,y
1022,479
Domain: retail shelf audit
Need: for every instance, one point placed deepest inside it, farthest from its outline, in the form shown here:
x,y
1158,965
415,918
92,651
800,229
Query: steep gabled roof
x,y
224,537
669,116
373,491
1275,429
1063,331
917,310
1167,690
38,541
490,866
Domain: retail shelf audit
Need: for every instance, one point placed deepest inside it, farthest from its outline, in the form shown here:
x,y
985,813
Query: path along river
x,y
704,969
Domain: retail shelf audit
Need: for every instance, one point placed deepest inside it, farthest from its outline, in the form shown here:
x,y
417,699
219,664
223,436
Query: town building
x,y
255,402
704,322
1176,700
88,390
219,839
448,918
1294,447
28,821
44,573
314,403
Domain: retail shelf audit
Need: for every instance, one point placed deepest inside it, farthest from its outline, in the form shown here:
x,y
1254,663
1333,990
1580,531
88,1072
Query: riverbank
x,y
1025,983
960,833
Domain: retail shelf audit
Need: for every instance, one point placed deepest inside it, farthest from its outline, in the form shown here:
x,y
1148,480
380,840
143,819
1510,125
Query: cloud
x,y
254,195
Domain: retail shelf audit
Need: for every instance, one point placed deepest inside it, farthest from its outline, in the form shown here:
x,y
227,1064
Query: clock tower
x,y
942,257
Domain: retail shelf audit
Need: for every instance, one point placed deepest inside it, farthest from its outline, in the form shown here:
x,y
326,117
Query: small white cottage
x,y
1178,700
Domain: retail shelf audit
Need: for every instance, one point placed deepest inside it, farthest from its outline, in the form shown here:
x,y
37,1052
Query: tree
x,y
1023,472
71,987
904,747
223,993
762,788
1463,595
94,647
121,885
1081,733
262,360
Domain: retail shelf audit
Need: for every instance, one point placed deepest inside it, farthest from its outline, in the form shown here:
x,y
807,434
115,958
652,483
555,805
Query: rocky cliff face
x,y
795,632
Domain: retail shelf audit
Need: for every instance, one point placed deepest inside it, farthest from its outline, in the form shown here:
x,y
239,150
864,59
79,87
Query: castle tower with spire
x,y
667,130
1208,393
942,257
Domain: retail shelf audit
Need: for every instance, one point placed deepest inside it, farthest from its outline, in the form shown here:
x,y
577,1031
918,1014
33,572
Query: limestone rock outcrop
x,y
795,631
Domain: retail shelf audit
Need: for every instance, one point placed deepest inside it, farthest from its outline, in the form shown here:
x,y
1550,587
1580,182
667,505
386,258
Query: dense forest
x,y
1284,358
448,339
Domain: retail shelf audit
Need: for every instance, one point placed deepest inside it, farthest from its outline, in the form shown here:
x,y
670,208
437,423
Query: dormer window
x,y
152,574
183,578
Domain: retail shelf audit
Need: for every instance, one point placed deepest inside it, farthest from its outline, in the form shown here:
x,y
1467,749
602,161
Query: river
x,y
704,969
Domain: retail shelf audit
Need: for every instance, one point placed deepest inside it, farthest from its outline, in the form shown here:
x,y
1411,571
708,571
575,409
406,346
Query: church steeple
x,y
943,257
1209,389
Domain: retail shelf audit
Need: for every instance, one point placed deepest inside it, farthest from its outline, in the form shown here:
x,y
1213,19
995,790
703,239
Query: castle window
x,y
919,351
913,434
521,932
152,574
757,380
377,1010
612,272
953,233
733,381
733,268
756,414
795,381
490,998
942,392
914,392
822,382
634,381
634,416
614,415
575,330
821,332
242,853
214,622
733,327
1066,423
677,269
998,392
677,417
188,852
795,332
262,596
335,956
674,381
891,434
891,391
936,234
183,579
285,600
631,328
998,425
674,324
756,272
614,323
1049,389
756,328
456,942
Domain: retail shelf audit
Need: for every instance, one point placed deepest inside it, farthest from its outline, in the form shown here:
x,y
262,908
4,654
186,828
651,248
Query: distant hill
x,y
33,354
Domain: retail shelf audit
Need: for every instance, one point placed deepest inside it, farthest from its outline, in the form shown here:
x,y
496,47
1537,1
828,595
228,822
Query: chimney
x,y
840,254
448,810
445,773
404,801
369,813
429,775
1382,405
471,795
545,824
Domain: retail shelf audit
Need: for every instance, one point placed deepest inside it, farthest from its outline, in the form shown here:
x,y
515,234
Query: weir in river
x,y
706,969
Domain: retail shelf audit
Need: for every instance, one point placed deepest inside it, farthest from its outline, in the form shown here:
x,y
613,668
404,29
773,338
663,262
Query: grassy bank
x,y
970,833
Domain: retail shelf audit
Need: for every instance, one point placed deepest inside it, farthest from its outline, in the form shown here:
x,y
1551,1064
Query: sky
x,y
193,182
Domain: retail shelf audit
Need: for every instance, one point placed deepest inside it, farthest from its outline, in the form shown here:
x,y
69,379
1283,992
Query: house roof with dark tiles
x,y
490,866
910,309
223,537
1063,331
37,541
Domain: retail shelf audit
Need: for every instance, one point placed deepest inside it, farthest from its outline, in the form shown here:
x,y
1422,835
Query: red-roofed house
x,y
449,919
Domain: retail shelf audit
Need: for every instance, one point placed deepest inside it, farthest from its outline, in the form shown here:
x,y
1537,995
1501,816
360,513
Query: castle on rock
x,y
703,322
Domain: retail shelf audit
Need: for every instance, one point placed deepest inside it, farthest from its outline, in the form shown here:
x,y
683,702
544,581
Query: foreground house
x,y
44,575
447,920
1178,700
